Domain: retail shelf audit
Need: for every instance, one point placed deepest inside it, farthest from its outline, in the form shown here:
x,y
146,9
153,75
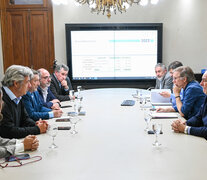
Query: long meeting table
x,y
111,144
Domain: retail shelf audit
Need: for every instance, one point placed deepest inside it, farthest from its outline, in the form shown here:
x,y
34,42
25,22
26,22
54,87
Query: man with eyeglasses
x,y
196,125
60,83
33,105
171,67
193,96
47,98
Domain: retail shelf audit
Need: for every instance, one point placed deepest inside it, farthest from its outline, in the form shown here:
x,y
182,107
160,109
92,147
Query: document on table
x,y
164,115
158,100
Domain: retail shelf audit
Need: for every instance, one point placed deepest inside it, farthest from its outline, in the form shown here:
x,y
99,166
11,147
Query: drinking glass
x,y
140,93
52,131
79,95
157,128
73,120
71,93
79,88
142,101
77,106
137,93
147,118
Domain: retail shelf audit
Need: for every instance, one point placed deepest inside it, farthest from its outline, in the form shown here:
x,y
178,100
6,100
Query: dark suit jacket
x,y
59,91
198,122
50,97
167,82
16,122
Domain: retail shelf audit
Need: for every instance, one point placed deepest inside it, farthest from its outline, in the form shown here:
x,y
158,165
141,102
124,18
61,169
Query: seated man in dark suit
x,y
46,96
163,78
13,146
193,96
60,83
16,122
32,103
196,125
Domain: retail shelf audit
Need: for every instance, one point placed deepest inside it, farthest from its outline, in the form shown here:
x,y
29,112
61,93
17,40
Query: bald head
x,y
204,82
44,78
42,71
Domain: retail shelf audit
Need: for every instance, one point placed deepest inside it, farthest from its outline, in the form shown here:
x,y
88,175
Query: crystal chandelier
x,y
109,6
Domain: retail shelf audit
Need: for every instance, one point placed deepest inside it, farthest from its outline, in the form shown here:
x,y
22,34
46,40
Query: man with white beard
x,y
163,78
46,96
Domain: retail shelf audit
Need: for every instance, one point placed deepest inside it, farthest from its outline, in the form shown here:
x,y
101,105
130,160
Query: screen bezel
x,y
114,26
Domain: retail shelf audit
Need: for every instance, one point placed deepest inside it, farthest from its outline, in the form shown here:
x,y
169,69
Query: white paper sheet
x,y
157,99
164,115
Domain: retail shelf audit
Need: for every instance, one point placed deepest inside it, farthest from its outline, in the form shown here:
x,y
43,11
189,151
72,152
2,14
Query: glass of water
x,y
157,128
52,131
79,95
77,106
71,93
79,88
74,120
142,102
147,118
137,93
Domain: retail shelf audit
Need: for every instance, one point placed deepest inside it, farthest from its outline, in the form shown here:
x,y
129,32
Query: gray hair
x,y
16,73
35,73
187,72
60,66
161,65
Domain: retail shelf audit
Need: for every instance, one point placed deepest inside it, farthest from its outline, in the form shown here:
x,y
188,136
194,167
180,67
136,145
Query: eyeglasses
x,y
175,78
203,80
47,77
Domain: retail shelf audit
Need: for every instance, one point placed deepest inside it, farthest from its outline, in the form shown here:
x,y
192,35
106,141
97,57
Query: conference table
x,y
111,144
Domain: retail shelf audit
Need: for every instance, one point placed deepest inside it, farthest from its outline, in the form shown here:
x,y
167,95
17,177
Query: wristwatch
x,y
186,130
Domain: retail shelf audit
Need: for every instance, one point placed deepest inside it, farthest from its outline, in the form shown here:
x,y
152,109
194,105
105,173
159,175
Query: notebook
x,y
158,100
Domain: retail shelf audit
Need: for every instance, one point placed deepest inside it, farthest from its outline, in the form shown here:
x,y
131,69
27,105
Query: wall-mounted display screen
x,y
113,51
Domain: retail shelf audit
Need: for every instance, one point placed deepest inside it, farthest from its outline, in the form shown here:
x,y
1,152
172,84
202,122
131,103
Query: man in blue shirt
x,y
166,94
196,125
193,96
32,103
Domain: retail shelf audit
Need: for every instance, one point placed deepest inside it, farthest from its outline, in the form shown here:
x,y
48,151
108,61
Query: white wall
x,y
184,27
184,33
